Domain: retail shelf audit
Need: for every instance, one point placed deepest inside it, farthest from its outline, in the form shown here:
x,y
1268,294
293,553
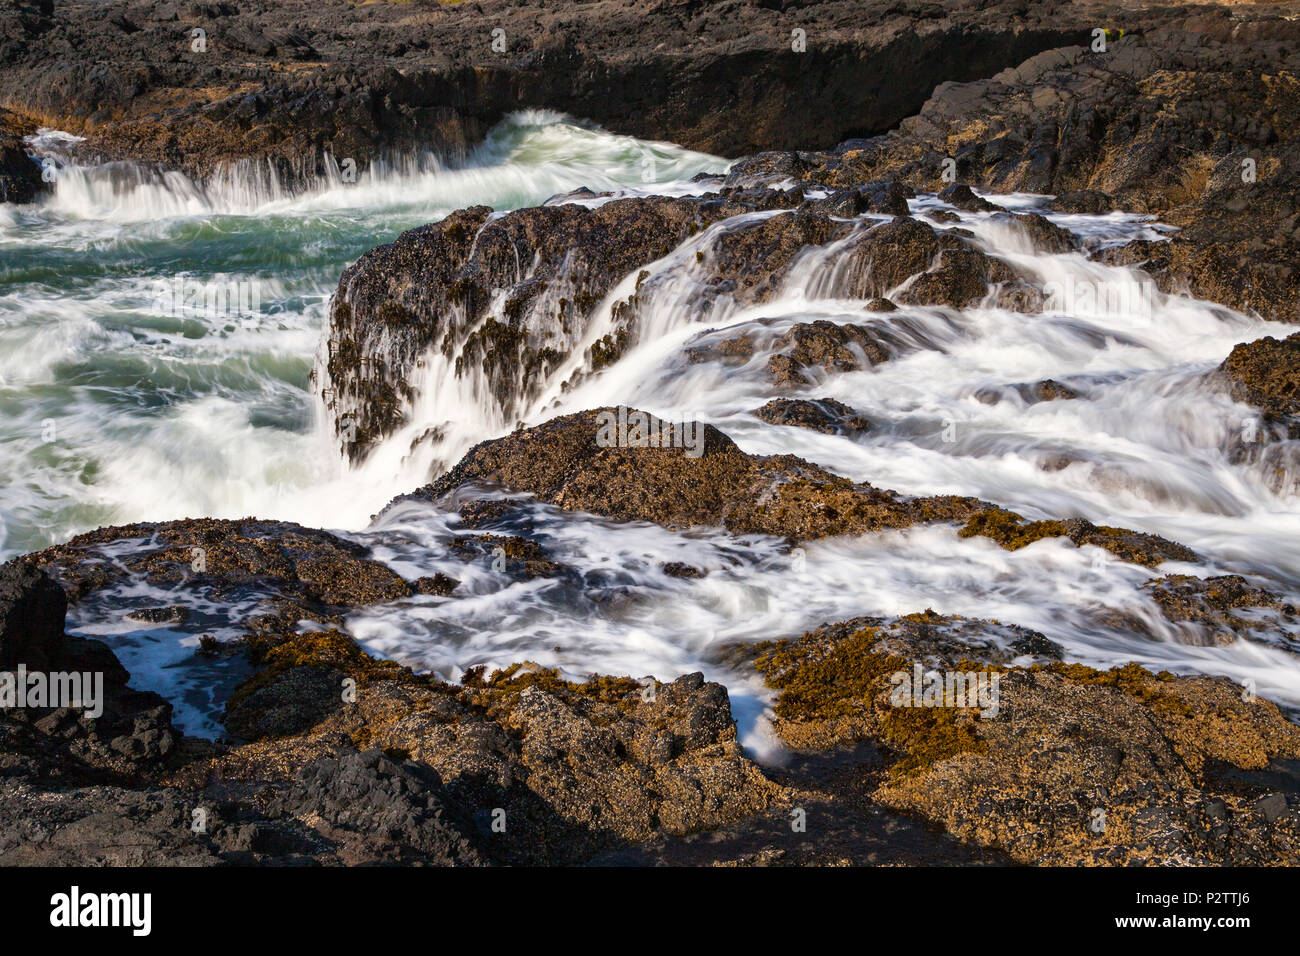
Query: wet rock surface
x,y
568,462
626,465
439,287
20,176
1194,123
1228,607
336,757
1266,374
286,82
517,767
822,415
1068,766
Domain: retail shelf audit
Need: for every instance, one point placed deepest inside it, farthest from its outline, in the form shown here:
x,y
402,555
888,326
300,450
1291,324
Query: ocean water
x,y
114,409
121,400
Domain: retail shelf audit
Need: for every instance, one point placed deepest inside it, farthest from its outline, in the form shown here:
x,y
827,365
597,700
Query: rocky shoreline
x,y
332,756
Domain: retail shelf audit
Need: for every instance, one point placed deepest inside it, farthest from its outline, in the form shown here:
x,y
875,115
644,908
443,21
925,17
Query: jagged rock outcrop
x,y
1266,374
520,766
109,731
1194,123
284,83
509,300
20,176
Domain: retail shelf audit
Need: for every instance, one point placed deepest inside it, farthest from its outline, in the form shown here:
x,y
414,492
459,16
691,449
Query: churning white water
x,y
188,413
124,398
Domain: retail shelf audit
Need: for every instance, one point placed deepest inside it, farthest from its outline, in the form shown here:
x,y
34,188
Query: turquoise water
x,y
121,401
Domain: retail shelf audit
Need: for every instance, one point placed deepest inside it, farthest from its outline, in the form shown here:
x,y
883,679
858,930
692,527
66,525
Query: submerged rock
x,y
821,415
1013,532
1228,607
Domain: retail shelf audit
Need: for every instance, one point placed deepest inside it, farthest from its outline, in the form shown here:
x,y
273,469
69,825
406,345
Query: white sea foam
x,y
164,416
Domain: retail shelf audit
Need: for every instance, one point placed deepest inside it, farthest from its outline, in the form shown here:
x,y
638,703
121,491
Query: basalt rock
x,y
401,768
1048,390
1067,766
807,352
1013,532
314,569
509,299
112,732
284,84
20,176
821,415
1227,607
1266,374
569,463
960,195
434,287
626,465
529,767
1194,123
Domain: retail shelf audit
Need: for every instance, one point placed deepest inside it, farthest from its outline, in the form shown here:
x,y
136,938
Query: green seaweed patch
x,y
609,349
1013,532
503,687
840,683
851,679
926,736
274,655
1133,679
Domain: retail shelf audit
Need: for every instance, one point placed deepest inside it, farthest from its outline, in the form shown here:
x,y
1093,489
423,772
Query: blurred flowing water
x,y
112,410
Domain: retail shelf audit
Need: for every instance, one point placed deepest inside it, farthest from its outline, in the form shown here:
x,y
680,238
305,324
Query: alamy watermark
x,y
1133,298
230,299
22,688
975,690
631,428
74,909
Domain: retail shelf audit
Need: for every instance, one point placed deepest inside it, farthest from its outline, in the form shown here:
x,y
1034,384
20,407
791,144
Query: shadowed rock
x,y
1069,766
1266,374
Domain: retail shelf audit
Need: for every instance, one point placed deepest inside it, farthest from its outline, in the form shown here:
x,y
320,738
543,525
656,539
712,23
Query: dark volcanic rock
x,y
440,287
960,195
579,462
567,463
32,609
1228,606
1013,532
288,82
379,811
313,568
1266,374
20,176
131,734
1090,201
1195,123
1068,765
1048,390
821,415
434,285
831,347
